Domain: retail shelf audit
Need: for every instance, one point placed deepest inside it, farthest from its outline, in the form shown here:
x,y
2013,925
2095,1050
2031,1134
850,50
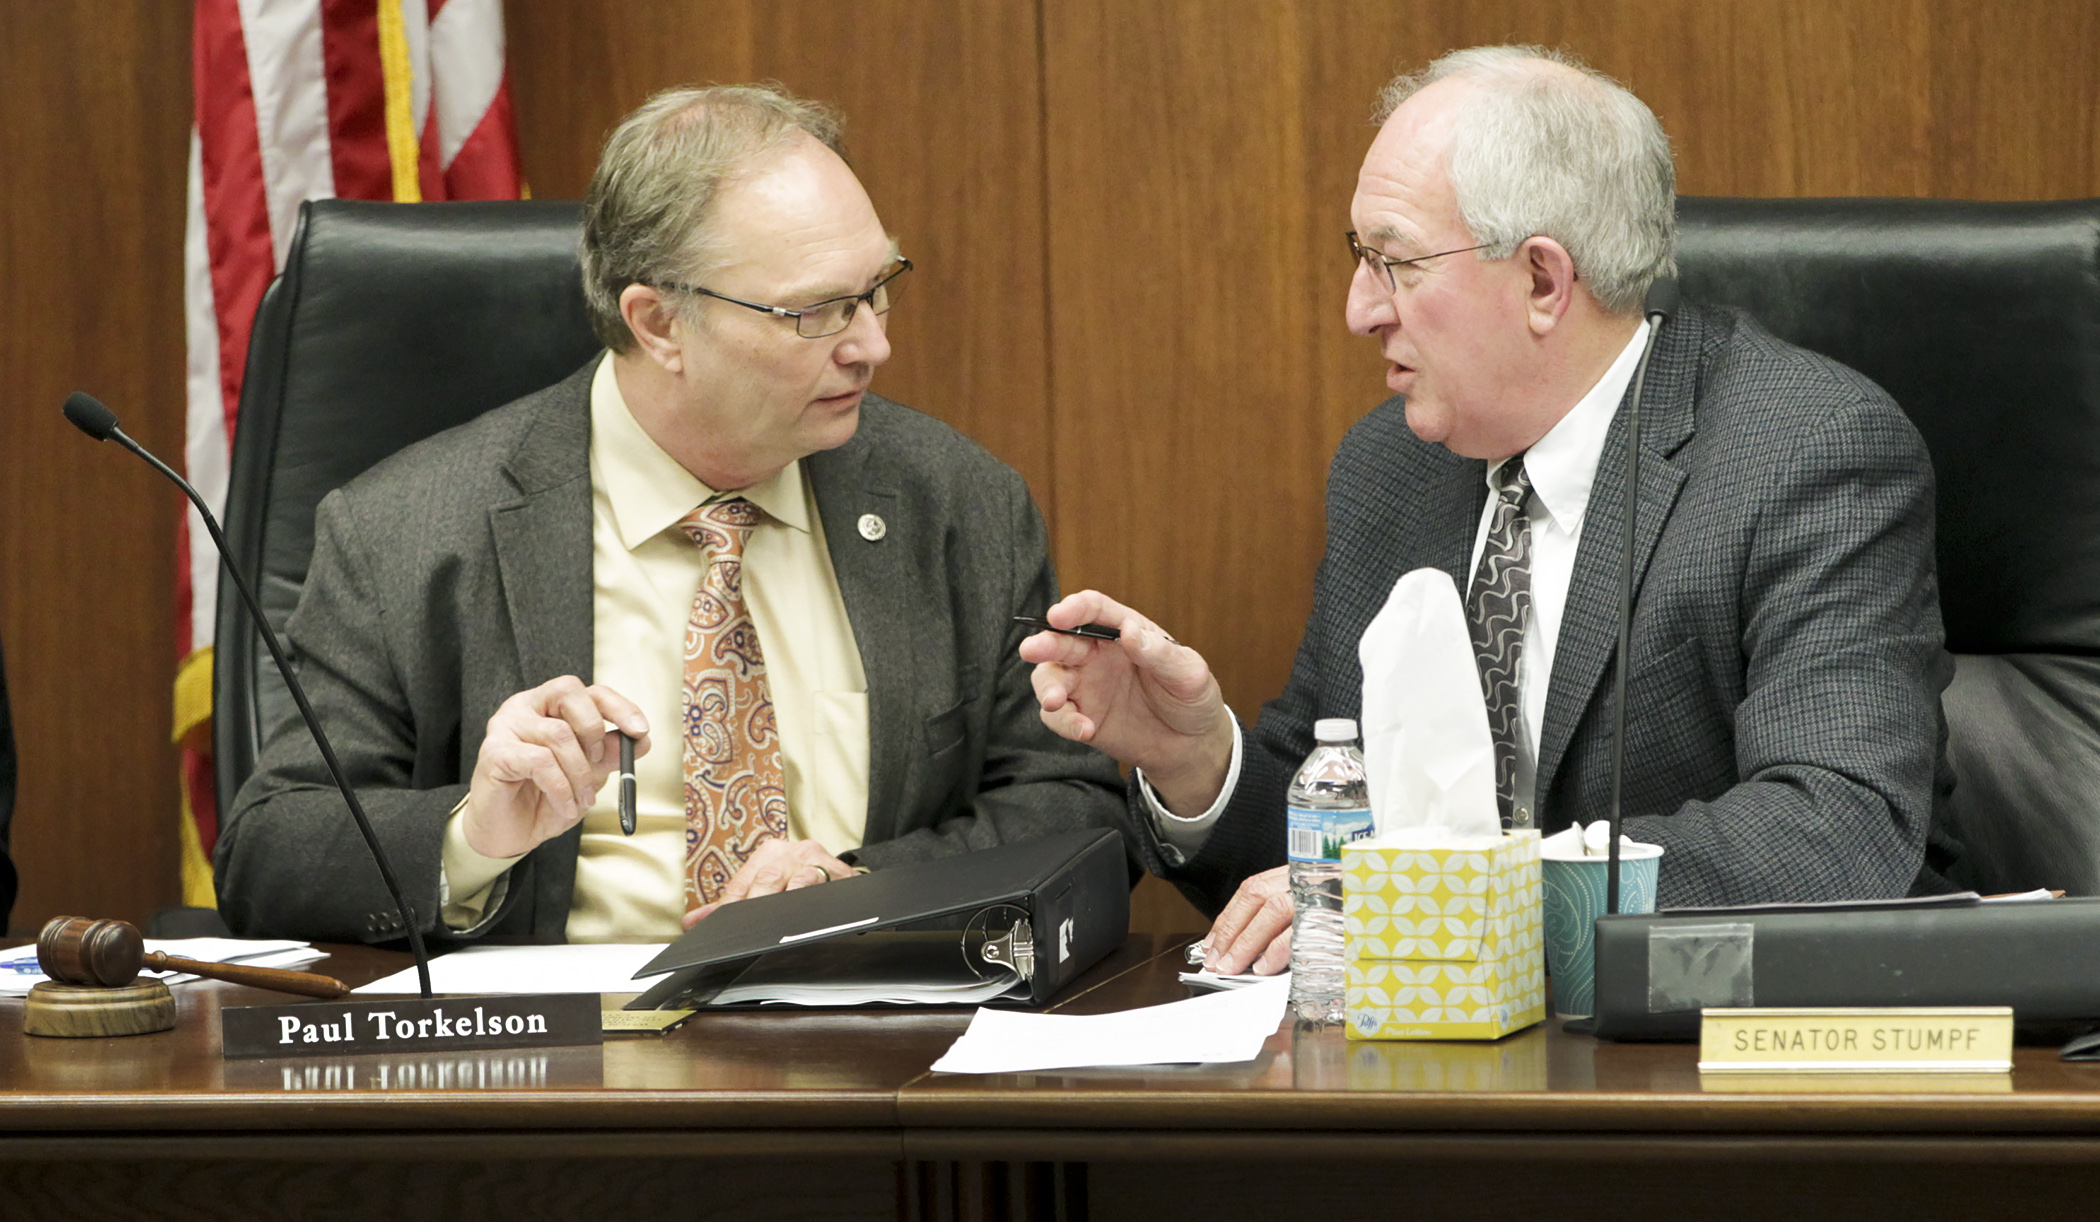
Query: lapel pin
x,y
872,527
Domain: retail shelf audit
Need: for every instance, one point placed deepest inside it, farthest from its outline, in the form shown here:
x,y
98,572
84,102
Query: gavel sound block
x,y
94,988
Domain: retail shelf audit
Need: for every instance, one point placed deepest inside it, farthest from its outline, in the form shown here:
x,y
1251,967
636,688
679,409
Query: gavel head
x,y
75,950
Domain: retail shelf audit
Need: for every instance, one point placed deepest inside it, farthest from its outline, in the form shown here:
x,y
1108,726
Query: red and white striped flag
x,y
297,100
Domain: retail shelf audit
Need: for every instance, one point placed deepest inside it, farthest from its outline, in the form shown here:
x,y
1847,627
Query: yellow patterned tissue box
x,y
1443,937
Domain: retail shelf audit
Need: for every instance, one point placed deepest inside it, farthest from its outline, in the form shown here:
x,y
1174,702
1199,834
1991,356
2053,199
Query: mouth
x,y
1400,378
847,399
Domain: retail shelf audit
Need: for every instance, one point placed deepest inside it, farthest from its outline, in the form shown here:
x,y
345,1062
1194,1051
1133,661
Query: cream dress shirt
x,y
645,572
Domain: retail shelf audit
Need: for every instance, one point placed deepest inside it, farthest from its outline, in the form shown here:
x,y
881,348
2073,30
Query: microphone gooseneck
x,y
90,416
1661,300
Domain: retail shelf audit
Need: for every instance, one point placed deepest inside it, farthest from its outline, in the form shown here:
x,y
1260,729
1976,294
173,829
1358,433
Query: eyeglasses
x,y
822,319
1382,267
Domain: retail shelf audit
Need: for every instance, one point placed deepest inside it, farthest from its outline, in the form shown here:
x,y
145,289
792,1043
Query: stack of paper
x,y
1211,1029
1211,981
895,971
19,971
891,971
576,967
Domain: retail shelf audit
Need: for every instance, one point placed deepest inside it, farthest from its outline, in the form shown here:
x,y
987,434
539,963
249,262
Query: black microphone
x,y
1662,300
90,416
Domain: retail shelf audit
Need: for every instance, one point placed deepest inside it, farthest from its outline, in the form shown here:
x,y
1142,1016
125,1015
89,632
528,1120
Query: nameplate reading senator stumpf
x,y
1906,1039
449,1024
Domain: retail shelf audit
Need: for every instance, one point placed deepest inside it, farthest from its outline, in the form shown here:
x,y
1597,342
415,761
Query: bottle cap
x,y
1335,729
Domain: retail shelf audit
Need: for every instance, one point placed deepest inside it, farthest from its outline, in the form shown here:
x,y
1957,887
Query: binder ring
x,y
999,941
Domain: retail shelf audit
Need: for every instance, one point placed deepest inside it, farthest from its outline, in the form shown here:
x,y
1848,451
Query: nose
x,y
865,341
1370,303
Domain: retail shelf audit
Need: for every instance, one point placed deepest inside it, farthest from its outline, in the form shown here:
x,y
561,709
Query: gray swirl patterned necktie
x,y
1498,607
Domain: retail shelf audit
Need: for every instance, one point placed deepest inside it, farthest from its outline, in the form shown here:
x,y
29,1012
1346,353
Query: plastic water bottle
x,y
1330,805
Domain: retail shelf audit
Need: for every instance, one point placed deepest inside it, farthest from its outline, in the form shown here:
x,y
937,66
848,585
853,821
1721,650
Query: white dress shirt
x,y
1562,466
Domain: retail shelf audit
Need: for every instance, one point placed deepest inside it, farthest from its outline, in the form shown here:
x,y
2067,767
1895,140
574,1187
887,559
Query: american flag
x,y
305,99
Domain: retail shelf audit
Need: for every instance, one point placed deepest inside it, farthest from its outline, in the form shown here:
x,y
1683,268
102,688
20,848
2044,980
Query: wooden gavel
x,y
109,954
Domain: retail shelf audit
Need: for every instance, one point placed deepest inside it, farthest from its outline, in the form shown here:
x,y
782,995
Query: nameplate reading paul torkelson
x,y
412,1024
1910,1039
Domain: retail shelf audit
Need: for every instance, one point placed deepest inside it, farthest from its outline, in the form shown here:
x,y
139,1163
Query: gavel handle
x,y
306,984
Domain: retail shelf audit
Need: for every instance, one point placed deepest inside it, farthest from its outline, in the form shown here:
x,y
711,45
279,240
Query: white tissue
x,y
1430,759
1577,843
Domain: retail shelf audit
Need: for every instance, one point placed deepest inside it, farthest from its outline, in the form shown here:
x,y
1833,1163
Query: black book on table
x,y
1026,917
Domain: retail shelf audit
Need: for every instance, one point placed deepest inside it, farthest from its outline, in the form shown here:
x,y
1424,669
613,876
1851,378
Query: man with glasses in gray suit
x,y
792,597
1783,736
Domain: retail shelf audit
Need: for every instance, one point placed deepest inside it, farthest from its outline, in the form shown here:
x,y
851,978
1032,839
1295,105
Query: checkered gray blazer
x,y
1784,735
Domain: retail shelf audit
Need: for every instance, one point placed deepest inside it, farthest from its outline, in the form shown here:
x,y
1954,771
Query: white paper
x,y
855,993
19,972
1215,1028
229,950
1578,843
1210,980
1427,751
920,968
581,967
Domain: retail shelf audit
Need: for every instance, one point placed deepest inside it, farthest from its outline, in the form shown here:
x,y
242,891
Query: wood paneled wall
x,y
94,141
1127,216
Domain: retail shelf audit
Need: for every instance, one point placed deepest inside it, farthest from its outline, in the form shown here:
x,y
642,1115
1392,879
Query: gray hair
x,y
646,218
1570,156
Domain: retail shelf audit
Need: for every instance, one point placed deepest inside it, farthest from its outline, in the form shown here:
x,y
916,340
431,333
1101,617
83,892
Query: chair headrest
x,y
391,322
1983,320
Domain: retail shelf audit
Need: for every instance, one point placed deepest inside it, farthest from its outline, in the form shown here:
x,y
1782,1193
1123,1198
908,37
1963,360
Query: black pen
x,y
626,783
1093,632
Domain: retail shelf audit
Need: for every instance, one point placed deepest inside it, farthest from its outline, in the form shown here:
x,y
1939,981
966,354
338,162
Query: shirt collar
x,y
648,490
1563,464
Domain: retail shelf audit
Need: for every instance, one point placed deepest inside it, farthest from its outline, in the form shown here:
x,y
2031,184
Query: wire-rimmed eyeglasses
x,y
825,317
1382,267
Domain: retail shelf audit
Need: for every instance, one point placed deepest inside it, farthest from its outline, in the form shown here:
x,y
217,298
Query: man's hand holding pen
x,y
1143,698
1150,701
546,753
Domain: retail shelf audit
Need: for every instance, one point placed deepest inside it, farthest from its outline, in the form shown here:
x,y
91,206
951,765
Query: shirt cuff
x,y
470,885
1181,839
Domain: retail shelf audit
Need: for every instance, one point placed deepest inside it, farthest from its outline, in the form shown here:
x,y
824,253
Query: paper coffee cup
x,y
1573,881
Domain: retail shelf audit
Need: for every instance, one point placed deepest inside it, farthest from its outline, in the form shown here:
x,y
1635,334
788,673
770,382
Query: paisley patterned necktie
x,y
735,796
1498,607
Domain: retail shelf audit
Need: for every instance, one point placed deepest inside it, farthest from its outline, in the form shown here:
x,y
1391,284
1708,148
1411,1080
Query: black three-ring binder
x,y
1037,912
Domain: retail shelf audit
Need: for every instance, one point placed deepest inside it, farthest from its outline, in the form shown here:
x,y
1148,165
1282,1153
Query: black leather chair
x,y
1983,320
390,323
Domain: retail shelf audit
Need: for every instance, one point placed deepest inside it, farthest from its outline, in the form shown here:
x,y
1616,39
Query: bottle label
x,y
1318,835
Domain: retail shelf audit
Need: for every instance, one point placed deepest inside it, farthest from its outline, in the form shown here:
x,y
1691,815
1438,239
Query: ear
x,y
652,319
1551,271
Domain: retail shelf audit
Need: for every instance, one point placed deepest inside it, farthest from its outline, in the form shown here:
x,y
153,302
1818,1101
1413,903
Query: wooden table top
x,y
867,1071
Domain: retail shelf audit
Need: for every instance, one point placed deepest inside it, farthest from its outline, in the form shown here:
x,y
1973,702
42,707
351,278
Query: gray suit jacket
x,y
1784,737
458,573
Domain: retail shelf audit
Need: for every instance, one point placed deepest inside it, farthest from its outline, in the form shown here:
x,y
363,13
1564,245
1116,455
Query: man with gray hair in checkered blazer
x,y
1784,739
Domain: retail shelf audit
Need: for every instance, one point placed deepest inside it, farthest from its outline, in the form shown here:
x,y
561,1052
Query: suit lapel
x,y
851,482
543,539
1589,624
543,559
1452,519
